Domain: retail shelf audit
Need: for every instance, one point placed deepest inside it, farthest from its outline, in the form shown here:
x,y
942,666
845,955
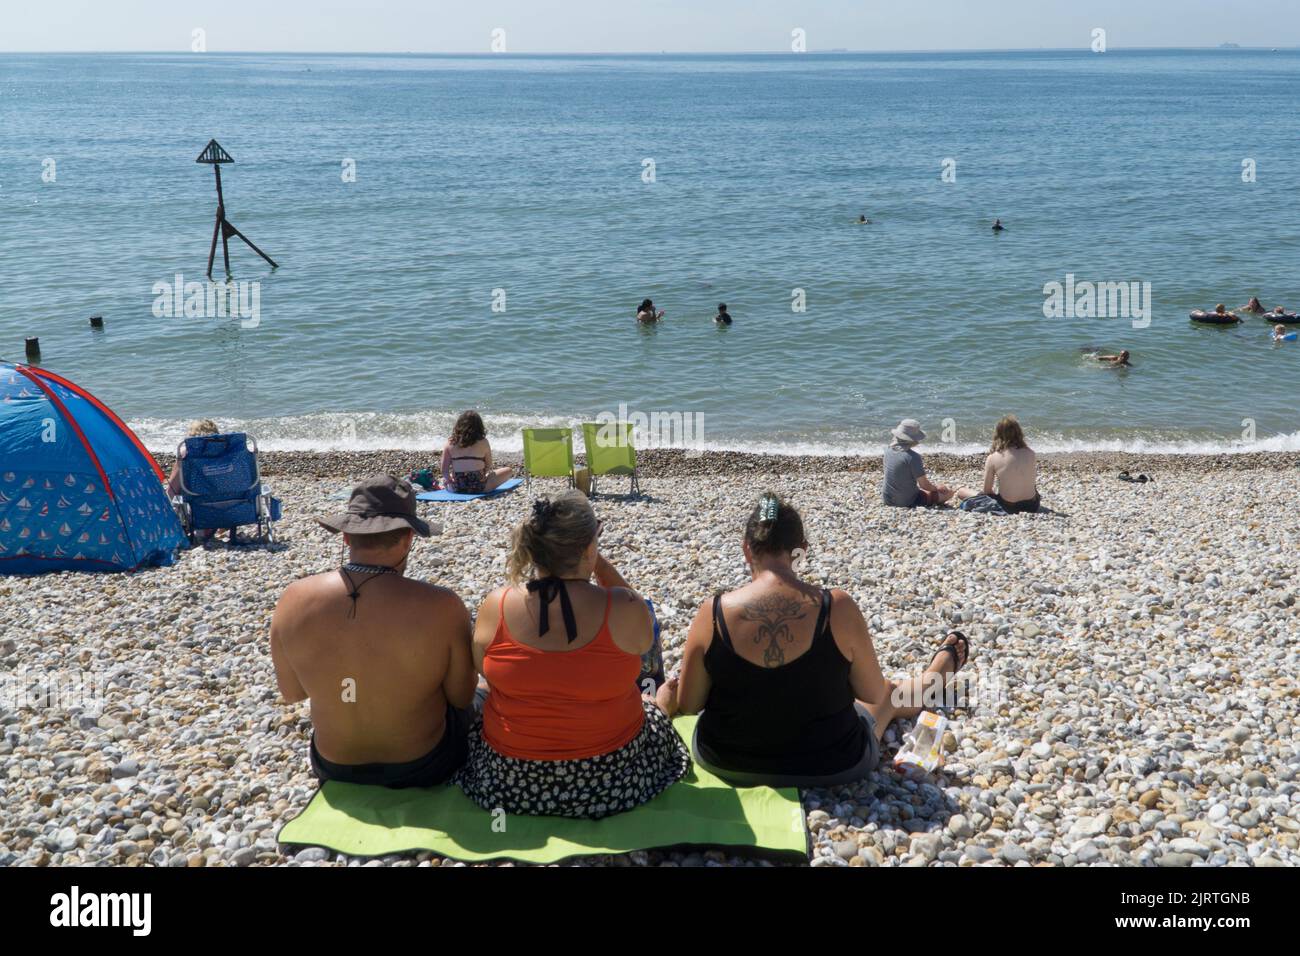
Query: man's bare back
x,y
379,681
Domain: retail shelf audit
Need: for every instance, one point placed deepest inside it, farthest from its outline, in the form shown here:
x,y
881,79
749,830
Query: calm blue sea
x,y
527,174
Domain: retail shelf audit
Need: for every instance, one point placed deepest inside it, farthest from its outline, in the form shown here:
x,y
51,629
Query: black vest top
x,y
796,719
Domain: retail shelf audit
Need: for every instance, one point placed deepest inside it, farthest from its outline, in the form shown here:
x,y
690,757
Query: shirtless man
x,y
1010,471
384,660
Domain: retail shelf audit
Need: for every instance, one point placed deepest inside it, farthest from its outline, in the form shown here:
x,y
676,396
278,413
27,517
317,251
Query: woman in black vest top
x,y
784,674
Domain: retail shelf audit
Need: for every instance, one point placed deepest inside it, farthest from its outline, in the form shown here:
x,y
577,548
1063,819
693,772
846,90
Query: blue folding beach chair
x,y
221,487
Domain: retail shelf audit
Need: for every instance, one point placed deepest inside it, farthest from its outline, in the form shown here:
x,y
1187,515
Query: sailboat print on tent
x,y
92,501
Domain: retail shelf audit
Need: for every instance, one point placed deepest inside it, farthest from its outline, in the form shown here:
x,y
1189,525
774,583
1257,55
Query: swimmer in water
x,y
646,312
723,317
1254,306
1280,334
1222,309
863,221
997,225
1115,361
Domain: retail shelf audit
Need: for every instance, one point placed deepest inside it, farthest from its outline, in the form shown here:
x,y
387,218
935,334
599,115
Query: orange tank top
x,y
560,705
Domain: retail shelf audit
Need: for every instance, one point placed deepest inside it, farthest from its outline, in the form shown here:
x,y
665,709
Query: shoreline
x,y
676,463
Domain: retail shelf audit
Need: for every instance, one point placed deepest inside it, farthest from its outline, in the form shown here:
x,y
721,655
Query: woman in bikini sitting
x,y
467,458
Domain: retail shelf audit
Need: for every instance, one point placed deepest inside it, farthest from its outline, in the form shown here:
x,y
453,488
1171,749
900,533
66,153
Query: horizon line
x,y
778,52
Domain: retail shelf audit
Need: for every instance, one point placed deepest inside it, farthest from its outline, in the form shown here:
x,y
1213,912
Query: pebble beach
x,y
1132,689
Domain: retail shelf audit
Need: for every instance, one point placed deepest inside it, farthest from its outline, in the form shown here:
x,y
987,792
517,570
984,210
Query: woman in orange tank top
x,y
565,730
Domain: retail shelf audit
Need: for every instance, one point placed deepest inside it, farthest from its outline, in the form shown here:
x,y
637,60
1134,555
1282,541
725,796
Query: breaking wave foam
x,y
380,431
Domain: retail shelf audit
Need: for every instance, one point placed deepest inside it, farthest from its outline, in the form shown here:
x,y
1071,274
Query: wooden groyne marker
x,y
213,155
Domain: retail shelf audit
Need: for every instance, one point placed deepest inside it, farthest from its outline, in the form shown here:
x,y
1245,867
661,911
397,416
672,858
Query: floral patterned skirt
x,y
590,787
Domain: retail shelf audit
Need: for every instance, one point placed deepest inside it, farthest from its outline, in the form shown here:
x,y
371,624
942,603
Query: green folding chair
x,y
610,452
548,453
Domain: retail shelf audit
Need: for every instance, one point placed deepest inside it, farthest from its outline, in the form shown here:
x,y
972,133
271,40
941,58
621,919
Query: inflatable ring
x,y
1213,318
1286,318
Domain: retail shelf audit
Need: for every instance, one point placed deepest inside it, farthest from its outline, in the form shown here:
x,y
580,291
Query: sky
x,y
638,26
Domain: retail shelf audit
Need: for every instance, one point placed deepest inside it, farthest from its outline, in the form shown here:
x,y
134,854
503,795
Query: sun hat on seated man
x,y
908,432
381,503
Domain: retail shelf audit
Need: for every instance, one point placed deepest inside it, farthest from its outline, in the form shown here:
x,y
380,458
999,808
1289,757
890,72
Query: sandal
x,y
1140,479
958,662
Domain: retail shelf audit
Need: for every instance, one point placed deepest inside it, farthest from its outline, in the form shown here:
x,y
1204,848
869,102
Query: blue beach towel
x,y
445,495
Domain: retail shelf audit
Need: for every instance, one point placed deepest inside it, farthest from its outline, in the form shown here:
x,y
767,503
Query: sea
x,y
456,231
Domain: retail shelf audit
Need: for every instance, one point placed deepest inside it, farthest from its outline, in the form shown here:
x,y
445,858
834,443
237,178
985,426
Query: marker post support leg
x,y
214,156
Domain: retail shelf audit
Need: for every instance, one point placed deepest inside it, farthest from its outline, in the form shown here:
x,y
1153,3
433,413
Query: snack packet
x,y
922,750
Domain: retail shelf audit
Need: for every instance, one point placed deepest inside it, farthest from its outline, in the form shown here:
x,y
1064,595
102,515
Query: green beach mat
x,y
698,810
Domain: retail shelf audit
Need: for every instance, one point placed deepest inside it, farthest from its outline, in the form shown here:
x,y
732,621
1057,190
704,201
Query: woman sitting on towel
x,y
1010,471
467,458
784,675
565,730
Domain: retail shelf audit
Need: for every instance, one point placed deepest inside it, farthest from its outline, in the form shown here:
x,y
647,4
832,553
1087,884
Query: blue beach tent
x,y
78,491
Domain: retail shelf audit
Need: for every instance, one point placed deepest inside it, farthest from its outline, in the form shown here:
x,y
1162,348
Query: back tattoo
x,y
773,613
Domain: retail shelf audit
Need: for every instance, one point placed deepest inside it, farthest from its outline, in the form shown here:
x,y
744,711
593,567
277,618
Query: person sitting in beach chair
x,y
565,730
784,675
906,483
467,458
1010,471
197,428
220,487
384,660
